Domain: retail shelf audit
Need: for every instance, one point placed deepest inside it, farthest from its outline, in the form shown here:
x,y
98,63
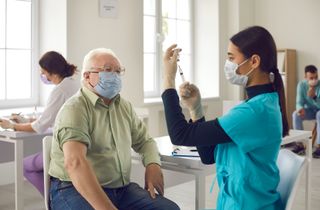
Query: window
x,y
17,53
166,22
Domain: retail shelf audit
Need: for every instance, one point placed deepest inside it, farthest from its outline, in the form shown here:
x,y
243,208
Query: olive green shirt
x,y
108,131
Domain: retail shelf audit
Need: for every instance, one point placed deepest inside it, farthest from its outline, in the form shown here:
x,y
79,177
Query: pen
x,y
181,74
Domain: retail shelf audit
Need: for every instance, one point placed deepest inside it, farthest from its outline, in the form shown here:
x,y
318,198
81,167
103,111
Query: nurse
x,y
245,142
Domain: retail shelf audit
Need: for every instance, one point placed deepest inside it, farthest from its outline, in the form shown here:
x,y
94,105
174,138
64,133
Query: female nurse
x,y
245,142
54,70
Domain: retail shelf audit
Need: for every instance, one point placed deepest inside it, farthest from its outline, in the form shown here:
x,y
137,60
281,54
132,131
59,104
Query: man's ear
x,y
86,75
255,61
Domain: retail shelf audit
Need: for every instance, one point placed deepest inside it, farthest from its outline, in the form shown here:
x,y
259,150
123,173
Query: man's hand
x,y
301,112
6,124
154,180
311,92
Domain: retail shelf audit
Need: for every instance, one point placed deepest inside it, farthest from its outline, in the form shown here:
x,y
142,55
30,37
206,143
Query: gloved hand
x,y
18,118
191,99
170,66
7,124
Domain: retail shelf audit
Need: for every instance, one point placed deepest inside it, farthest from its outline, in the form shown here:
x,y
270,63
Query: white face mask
x,y
230,69
313,82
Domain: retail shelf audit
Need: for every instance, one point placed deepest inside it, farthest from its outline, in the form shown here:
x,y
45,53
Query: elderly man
x,y
91,152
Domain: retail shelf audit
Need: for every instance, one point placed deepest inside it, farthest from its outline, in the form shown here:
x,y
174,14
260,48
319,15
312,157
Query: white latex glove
x,y
7,124
170,66
191,99
18,118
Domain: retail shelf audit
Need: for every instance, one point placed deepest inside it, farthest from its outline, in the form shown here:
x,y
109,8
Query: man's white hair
x,y
87,61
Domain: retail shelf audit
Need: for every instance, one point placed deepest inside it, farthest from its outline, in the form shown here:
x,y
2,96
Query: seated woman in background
x,y
54,70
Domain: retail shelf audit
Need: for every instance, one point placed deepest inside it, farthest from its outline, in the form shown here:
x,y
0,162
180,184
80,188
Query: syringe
x,y
181,74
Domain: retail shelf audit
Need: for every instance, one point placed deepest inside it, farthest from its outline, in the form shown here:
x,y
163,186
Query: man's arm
x,y
83,177
300,100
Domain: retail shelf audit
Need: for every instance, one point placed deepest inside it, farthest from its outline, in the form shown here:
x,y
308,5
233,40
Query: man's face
x,y
311,76
101,63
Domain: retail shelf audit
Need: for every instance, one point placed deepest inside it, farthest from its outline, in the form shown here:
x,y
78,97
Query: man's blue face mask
x,y
109,84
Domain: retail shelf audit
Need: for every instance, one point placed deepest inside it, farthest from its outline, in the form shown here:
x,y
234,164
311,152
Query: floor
x,y
182,194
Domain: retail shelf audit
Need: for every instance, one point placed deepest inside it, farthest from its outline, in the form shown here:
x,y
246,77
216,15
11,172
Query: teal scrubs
x,y
246,168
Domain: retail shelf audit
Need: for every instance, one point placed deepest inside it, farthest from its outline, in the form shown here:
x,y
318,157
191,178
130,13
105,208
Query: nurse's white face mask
x,y
230,69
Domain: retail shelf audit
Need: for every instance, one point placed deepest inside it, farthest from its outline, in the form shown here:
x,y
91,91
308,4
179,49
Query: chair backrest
x,y
46,148
291,167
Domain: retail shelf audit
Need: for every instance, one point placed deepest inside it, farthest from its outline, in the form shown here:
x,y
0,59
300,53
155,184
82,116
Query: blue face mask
x,y
109,84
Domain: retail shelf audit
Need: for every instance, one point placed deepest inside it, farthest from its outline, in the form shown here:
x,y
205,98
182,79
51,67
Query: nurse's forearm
x,y
181,132
23,127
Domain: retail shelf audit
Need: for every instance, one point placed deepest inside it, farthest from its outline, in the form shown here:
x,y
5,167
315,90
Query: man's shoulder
x,y
75,102
302,83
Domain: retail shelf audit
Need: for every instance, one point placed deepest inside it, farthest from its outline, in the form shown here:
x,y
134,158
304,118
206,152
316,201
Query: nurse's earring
x,y
271,77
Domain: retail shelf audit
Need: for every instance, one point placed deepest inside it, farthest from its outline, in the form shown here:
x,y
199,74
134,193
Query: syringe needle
x,y
181,74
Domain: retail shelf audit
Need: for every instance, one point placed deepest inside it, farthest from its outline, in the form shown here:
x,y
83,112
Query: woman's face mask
x,y
230,69
45,80
109,84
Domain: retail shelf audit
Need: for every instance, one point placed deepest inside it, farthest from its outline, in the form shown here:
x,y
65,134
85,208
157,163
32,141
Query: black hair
x,y
54,63
257,40
310,68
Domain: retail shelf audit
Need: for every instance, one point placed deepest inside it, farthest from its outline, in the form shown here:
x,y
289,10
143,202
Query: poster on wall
x,y
108,8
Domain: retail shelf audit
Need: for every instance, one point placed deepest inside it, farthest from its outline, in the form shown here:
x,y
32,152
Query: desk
x,y
16,138
303,136
195,167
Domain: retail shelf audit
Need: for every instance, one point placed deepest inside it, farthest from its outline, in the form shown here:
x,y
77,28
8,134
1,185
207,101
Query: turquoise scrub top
x,y
247,173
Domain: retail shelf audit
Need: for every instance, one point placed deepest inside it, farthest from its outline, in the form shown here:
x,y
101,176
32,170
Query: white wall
x,y
124,35
293,24
52,34
206,23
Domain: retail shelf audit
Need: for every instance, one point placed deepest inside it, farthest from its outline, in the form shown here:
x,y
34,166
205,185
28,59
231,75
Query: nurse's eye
x,y
230,58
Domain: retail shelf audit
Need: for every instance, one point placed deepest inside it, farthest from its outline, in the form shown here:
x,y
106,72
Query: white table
x,y
194,166
303,136
16,138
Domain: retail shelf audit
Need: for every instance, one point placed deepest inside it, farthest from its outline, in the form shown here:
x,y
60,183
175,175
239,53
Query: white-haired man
x,y
91,152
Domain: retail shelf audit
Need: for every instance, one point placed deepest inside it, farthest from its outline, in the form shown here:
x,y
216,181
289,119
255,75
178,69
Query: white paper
x,y
185,152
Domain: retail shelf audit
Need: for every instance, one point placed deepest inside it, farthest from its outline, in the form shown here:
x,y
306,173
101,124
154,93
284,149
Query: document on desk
x,y
185,152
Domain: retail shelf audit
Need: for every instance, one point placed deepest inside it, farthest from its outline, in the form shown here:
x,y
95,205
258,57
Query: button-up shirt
x,y
108,131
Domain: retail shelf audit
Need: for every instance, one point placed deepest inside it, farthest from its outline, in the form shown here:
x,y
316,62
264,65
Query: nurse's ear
x,y
255,61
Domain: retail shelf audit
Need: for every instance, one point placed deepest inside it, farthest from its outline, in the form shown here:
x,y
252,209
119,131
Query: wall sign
x,y
108,8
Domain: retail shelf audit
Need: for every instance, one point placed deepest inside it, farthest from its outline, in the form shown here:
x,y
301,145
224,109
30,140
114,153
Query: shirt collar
x,y
253,91
94,98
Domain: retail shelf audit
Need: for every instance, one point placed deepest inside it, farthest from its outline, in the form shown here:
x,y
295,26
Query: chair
x,y
46,148
291,168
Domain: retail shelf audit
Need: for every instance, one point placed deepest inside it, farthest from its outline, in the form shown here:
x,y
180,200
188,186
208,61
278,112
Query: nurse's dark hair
x,y
54,63
256,40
